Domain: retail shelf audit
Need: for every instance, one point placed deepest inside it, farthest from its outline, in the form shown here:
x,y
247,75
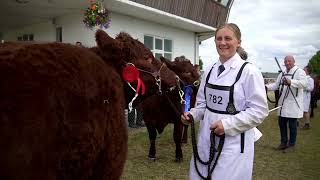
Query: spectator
x,y
78,43
290,85
307,97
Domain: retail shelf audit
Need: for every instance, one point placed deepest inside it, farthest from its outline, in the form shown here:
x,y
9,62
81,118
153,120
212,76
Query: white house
x,y
170,28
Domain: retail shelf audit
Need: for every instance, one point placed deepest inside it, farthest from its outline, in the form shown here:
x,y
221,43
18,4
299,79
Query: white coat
x,y
307,94
250,99
290,108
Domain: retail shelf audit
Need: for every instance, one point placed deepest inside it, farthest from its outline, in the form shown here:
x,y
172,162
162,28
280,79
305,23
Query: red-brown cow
x,y
62,108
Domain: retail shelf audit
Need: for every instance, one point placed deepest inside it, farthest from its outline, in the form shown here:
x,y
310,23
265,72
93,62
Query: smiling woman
x,y
229,112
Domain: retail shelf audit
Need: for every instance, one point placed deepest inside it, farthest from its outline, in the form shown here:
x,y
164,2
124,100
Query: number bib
x,y
217,98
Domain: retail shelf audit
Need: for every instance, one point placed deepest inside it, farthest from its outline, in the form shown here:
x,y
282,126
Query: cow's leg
x,y
184,134
312,106
152,137
177,134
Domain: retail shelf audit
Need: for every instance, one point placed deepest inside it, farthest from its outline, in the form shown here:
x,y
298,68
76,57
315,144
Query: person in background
x,y
290,84
307,97
231,102
78,43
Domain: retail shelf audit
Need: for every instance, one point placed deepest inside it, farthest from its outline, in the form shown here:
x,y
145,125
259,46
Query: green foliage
x,y
315,63
201,64
96,15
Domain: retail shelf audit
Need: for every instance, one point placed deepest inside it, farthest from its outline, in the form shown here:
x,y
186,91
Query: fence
x,y
269,80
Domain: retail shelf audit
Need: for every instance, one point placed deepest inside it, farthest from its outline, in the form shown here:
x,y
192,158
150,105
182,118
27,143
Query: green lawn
x,y
302,163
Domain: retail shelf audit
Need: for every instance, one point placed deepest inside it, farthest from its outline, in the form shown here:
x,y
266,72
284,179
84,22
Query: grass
x,y
302,163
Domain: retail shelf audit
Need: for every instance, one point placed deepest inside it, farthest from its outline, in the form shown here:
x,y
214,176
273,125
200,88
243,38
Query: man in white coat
x,y
290,84
307,97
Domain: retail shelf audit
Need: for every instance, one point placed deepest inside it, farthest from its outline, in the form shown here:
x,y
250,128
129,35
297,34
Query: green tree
x,y
201,64
315,63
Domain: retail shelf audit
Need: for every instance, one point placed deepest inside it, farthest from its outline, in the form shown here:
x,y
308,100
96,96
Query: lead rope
x,y
211,153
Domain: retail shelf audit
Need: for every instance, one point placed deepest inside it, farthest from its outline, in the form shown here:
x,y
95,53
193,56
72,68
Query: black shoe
x,y
290,148
282,147
306,126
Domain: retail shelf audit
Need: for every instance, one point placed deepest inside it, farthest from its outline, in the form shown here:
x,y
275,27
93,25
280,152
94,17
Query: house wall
x,y
74,30
43,32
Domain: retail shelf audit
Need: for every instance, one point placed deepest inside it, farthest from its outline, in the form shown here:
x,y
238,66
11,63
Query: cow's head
x,y
187,72
124,51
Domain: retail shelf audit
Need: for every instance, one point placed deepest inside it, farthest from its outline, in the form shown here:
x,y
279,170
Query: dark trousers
x,y
283,121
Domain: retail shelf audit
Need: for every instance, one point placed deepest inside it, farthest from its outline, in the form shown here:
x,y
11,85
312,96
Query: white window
x,y
223,2
26,37
159,46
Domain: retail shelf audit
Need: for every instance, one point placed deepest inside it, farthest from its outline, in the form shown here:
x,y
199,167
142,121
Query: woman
x,y
229,106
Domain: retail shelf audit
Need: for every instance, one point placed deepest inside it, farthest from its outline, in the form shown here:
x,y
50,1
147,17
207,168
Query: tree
x,y
315,63
201,64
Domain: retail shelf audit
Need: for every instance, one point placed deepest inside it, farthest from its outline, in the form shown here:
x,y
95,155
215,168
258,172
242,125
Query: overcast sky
x,y
273,28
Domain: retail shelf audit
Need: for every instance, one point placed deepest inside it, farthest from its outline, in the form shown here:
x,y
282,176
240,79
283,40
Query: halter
x,y
156,75
187,90
130,73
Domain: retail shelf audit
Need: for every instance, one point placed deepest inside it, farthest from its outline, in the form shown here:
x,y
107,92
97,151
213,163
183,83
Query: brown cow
x,y
315,94
156,76
61,110
158,111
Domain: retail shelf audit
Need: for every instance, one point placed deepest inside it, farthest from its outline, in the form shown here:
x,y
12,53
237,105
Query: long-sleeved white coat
x,y
307,93
250,99
292,103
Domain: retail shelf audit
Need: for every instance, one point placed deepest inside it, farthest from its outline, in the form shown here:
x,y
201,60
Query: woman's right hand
x,y
185,119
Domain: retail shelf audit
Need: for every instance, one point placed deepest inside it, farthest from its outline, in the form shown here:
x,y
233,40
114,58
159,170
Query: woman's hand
x,y
217,128
185,119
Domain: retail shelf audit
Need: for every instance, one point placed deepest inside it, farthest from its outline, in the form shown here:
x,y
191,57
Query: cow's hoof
x,y
179,159
153,159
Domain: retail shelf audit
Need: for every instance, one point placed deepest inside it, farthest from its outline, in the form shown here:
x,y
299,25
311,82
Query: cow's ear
x,y
103,39
169,63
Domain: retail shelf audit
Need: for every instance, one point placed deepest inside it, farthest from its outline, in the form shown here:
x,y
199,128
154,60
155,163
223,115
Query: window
x,y
148,42
26,37
59,34
30,37
223,2
159,46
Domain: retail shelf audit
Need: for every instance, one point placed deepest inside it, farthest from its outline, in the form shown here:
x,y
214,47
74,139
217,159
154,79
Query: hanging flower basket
x,y
96,15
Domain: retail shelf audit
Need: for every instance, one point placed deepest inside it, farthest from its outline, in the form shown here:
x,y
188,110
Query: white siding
x,y
74,30
44,32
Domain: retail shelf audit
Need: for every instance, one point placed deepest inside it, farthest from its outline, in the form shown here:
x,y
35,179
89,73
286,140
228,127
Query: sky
x,y
272,28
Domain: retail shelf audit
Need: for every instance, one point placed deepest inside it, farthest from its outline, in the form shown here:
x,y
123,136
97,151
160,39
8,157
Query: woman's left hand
x,y
217,127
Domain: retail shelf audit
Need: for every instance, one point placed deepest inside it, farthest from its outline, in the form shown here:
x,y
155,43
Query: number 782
x,y
215,99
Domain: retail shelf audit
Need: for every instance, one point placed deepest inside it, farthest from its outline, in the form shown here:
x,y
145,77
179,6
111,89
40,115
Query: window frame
x,y
160,51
